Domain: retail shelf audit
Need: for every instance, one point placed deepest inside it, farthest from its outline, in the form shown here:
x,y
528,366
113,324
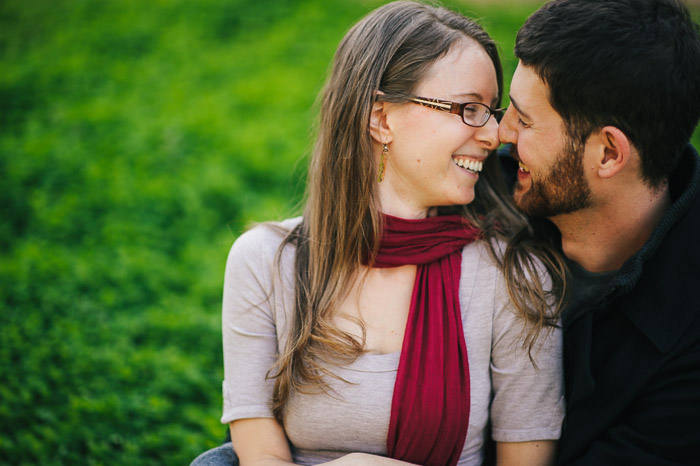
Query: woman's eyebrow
x,y
474,95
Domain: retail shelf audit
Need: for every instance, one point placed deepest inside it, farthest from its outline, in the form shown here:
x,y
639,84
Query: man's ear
x,y
378,125
613,151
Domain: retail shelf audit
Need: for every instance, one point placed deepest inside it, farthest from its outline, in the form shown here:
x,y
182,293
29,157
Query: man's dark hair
x,y
632,64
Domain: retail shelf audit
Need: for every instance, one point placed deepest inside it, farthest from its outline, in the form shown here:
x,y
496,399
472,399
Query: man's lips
x,y
516,156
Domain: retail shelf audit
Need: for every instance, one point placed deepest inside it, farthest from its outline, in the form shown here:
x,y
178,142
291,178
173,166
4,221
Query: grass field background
x,y
137,140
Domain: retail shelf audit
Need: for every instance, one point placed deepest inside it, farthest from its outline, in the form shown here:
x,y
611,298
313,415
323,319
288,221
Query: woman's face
x,y
427,146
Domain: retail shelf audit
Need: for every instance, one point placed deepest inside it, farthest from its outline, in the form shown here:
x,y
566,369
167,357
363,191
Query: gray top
x,y
523,402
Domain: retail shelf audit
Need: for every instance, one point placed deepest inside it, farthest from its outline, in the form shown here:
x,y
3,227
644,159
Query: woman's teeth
x,y
523,167
471,165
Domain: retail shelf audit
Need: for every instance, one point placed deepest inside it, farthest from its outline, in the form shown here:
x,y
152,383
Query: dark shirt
x,y
584,287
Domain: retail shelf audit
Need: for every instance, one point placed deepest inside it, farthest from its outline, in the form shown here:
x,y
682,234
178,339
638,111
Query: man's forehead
x,y
527,83
528,92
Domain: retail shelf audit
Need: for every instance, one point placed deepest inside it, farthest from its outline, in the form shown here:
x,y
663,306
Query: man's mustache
x,y
514,152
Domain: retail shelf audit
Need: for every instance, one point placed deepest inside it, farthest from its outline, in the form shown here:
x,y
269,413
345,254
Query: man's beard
x,y
563,190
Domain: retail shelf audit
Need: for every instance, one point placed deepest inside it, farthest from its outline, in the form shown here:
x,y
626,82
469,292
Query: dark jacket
x,y
632,354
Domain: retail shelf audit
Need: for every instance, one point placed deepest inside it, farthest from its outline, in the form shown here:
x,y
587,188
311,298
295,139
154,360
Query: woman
x,y
390,325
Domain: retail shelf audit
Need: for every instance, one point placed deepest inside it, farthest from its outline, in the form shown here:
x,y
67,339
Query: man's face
x,y
551,179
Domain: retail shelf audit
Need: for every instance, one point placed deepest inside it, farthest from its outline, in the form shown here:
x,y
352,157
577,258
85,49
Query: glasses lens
x,y
476,114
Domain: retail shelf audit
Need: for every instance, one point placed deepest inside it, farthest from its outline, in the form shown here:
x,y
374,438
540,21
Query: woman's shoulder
x,y
268,235
481,256
261,241
490,254
481,282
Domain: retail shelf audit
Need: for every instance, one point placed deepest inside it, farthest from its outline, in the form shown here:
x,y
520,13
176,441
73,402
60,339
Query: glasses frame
x,y
457,108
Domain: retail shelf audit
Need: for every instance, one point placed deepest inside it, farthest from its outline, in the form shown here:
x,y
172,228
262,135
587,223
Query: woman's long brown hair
x,y
389,50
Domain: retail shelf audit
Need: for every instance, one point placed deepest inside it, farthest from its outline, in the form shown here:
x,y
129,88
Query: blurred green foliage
x,y
137,140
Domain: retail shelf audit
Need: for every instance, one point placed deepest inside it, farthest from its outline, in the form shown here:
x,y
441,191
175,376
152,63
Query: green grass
x,y
137,140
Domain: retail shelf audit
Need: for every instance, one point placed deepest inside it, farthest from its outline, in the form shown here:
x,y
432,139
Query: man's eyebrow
x,y
520,111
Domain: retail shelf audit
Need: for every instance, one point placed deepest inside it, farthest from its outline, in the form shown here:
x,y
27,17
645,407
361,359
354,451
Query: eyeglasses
x,y
473,114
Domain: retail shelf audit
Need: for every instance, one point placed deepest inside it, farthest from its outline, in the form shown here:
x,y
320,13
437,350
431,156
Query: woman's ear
x,y
614,151
378,126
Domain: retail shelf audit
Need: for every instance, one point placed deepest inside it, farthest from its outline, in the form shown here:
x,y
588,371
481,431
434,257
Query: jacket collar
x,y
663,310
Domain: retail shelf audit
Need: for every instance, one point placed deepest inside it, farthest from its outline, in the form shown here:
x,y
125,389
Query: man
x,y
603,103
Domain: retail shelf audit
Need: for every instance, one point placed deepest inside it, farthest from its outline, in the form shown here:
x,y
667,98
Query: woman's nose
x,y
488,134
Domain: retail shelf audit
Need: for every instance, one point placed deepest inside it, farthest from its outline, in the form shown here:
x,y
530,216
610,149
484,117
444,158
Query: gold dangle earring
x,y
382,163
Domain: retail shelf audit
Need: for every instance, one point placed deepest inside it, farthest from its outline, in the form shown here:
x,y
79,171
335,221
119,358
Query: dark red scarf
x,y
430,407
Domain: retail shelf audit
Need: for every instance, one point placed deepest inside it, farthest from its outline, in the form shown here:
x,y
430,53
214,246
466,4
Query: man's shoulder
x,y
664,299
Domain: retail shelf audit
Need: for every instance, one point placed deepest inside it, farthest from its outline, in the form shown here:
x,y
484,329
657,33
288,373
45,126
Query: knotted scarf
x,y
430,406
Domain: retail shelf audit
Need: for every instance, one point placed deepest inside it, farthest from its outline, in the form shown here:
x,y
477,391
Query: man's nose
x,y
506,132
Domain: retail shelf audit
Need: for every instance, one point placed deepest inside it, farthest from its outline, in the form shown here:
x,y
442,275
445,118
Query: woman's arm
x,y
535,453
528,402
262,442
